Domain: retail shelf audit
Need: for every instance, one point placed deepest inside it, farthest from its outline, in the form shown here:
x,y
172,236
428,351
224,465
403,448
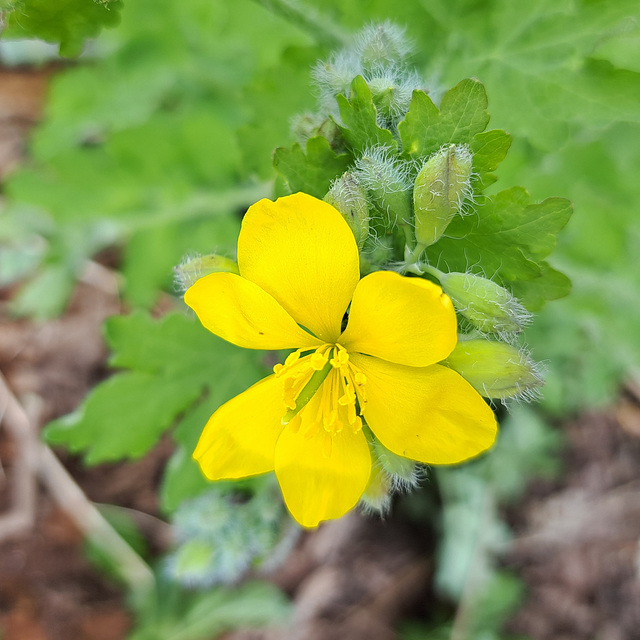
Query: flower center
x,y
337,385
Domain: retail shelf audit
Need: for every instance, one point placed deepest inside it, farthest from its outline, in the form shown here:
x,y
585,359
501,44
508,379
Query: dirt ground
x,y
576,543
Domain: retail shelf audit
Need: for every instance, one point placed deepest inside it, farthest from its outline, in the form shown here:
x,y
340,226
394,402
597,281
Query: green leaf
x,y
462,115
504,237
311,172
489,150
360,119
549,285
171,363
68,22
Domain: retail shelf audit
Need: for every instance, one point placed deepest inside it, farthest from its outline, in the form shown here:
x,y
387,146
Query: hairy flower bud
x,y
496,369
386,183
383,44
349,198
440,190
195,267
485,304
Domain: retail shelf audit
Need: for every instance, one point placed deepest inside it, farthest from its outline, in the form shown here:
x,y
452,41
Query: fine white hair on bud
x,y
381,44
348,196
387,182
440,190
195,266
485,304
335,76
392,89
497,370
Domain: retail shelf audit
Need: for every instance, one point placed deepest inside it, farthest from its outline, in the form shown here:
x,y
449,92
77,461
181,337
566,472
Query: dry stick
x,y
71,499
21,516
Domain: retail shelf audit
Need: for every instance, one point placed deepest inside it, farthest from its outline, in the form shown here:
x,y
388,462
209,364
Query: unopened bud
x,y
311,125
402,472
391,92
440,190
377,496
496,369
385,180
349,198
485,304
383,44
194,268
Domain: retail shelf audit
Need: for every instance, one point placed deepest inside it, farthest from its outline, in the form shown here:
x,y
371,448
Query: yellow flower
x,y
299,273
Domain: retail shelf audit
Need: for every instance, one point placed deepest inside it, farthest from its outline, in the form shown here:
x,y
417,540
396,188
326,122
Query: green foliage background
x,y
162,133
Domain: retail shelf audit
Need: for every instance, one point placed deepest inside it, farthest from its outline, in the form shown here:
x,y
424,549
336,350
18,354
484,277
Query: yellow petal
x,y
321,481
240,438
301,251
242,313
403,320
430,414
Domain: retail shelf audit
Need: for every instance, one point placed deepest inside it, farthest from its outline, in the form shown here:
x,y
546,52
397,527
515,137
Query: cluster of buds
x,y
220,538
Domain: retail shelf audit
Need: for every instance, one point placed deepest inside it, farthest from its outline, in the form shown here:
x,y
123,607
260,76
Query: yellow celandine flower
x,y
299,273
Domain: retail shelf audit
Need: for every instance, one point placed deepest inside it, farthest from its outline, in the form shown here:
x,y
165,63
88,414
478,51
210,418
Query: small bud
x,y
194,268
402,472
440,190
311,125
392,91
383,44
496,369
485,304
387,184
335,76
377,496
349,198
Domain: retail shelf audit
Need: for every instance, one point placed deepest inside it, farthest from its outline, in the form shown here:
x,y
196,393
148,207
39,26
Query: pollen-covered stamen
x,y
338,386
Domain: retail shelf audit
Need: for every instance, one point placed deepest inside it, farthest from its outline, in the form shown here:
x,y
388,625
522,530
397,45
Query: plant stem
x,y
308,19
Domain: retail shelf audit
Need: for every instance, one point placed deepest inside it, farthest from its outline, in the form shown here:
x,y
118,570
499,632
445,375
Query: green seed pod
x,y
439,191
385,180
349,198
194,268
485,304
496,369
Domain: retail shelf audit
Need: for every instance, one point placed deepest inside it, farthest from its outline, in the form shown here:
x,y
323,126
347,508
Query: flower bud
x,y
402,472
383,44
386,183
496,369
349,198
377,496
391,92
194,268
485,304
439,191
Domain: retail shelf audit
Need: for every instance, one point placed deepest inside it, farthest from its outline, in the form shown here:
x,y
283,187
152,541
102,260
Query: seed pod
x,y
487,305
349,198
194,268
440,190
496,369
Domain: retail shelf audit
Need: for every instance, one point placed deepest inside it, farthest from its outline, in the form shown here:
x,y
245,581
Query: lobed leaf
x,y
360,119
462,114
311,172
169,365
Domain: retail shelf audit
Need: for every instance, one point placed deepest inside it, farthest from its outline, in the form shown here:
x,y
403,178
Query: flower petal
x,y
317,486
429,414
403,320
240,438
301,251
242,313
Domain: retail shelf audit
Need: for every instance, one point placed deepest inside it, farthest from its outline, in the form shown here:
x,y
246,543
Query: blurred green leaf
x,y
177,614
489,149
311,172
172,363
67,22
